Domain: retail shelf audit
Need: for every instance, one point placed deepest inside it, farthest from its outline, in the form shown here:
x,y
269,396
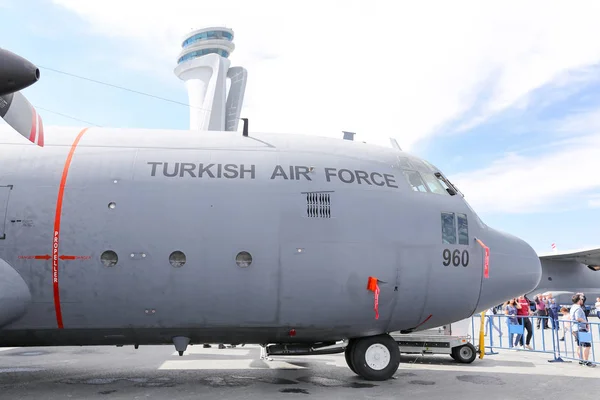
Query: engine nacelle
x,y
16,73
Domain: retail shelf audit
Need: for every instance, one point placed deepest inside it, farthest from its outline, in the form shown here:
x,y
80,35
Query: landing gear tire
x,y
375,358
465,354
348,353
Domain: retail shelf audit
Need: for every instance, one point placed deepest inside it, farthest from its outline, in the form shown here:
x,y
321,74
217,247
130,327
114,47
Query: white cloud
x,y
594,201
377,68
580,123
556,180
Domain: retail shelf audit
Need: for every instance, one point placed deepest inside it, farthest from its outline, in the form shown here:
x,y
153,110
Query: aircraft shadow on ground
x,y
446,360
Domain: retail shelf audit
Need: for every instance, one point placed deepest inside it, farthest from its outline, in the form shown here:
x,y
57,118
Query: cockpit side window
x,y
448,228
463,229
415,181
455,226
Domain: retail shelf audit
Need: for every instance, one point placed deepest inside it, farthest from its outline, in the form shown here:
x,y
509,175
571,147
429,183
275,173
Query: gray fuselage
x,y
318,216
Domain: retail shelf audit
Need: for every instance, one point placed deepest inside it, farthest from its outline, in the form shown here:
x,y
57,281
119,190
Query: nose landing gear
x,y
374,358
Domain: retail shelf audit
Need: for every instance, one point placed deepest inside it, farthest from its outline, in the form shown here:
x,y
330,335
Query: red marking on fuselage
x,y
56,235
63,257
44,257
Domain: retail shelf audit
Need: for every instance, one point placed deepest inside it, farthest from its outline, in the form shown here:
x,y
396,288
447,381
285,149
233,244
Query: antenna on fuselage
x,y
395,144
348,135
245,131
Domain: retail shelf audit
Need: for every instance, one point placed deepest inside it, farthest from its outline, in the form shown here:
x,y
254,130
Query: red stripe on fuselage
x,y
56,234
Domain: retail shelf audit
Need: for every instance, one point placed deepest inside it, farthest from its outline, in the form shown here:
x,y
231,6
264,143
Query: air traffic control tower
x,y
204,66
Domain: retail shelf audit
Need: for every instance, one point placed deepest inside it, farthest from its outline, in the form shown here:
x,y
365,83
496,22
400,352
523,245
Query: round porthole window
x,y
243,259
109,258
177,259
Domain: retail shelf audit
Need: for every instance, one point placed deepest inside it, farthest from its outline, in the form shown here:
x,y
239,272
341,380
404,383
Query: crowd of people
x,y
573,319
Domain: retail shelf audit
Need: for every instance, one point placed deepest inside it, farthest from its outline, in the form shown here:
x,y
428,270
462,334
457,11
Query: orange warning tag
x,y
486,262
372,284
374,287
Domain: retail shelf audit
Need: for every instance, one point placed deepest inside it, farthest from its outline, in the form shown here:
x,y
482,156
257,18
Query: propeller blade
x,y
22,116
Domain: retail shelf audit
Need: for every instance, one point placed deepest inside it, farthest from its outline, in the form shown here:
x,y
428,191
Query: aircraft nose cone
x,y
514,269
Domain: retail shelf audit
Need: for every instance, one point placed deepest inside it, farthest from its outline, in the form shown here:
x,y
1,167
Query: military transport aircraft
x,y
574,271
138,237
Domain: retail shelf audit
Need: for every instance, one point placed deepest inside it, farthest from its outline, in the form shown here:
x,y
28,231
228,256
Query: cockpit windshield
x,y
450,188
424,177
415,180
435,184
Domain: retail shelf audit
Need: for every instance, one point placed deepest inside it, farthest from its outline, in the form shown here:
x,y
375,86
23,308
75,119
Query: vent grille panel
x,y
318,205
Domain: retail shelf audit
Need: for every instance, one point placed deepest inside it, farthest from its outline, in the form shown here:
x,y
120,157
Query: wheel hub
x,y
377,356
465,352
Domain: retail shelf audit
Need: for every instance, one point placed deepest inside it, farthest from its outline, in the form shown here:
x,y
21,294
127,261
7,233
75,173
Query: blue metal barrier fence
x,y
563,338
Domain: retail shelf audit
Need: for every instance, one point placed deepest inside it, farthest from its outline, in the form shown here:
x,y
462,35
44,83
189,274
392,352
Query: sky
x,y
502,96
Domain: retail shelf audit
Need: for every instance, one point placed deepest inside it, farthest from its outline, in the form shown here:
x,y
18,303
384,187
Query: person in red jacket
x,y
523,314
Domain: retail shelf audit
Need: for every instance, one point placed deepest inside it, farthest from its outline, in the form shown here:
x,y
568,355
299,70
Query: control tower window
x,y
463,229
448,228
415,181
200,53
211,35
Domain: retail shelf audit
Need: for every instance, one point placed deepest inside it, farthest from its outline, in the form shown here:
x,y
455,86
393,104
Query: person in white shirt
x,y
579,324
597,307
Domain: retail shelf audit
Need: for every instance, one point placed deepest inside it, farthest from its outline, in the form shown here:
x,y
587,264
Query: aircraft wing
x,y
588,257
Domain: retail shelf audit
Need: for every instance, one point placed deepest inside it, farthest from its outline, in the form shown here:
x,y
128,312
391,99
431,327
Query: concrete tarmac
x,y
157,372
